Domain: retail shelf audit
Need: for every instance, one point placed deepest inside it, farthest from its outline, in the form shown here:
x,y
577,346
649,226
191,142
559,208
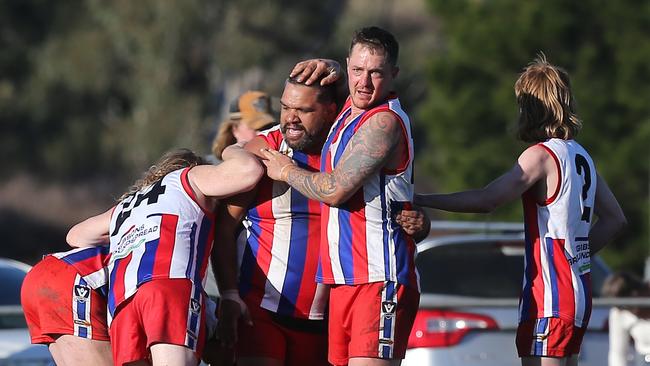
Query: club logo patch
x,y
81,293
388,307
195,306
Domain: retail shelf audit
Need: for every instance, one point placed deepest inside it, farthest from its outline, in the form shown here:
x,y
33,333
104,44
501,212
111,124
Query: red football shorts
x,y
293,341
548,337
370,320
57,301
169,311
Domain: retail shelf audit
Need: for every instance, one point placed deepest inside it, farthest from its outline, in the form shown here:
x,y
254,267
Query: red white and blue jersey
x,y
280,256
90,263
557,282
157,233
364,243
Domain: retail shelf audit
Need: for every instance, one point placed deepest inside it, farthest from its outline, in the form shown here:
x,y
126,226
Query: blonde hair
x,y
169,162
546,104
224,137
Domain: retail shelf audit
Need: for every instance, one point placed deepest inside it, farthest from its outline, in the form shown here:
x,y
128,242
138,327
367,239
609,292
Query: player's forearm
x,y
90,232
224,264
317,186
224,256
78,240
469,201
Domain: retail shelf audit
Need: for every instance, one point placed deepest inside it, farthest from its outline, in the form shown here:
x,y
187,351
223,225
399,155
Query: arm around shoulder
x,y
529,169
239,172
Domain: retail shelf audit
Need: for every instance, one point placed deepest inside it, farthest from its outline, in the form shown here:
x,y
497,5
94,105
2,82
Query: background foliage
x,y
92,91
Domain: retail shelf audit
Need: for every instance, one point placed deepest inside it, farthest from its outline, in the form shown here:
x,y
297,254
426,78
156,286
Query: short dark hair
x,y
377,38
326,93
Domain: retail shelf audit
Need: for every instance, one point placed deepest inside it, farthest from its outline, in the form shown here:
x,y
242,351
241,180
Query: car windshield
x,y
12,279
487,269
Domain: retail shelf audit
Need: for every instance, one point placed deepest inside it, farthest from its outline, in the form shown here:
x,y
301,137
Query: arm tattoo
x,y
317,186
367,152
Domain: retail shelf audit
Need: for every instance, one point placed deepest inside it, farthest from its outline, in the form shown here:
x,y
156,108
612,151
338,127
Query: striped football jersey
x,y
282,240
557,282
90,263
157,233
364,243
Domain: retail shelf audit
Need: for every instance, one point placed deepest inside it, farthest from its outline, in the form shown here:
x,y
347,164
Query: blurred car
x,y
15,344
470,286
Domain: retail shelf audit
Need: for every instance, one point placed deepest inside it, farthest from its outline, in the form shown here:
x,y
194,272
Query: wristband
x,y
233,295
282,177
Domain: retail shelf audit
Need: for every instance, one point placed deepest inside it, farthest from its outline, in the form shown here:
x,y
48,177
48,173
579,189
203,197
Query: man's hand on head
x,y
309,71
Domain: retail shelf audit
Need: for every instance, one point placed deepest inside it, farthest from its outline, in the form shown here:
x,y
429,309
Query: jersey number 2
x,y
582,166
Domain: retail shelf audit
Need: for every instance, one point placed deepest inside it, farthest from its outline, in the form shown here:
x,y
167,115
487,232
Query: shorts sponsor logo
x,y
386,341
388,307
195,306
81,292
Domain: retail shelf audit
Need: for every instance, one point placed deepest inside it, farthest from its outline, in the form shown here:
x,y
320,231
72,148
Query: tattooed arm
x,y
370,149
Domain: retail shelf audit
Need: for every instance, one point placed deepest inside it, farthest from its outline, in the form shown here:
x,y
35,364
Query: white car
x,y
470,282
15,345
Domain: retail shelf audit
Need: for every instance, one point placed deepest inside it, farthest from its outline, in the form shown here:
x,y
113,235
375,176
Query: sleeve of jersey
x,y
273,139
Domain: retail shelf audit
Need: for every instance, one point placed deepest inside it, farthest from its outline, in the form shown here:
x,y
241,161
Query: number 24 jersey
x,y
157,233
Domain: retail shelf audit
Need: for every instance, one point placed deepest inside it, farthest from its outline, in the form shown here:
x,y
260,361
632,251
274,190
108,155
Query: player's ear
x,y
395,71
332,110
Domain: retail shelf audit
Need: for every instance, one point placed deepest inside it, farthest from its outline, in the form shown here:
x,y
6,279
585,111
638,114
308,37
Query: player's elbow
x,y
336,199
251,172
73,237
488,204
619,223
614,218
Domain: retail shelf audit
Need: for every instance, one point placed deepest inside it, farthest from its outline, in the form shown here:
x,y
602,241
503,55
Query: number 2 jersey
x,y
159,232
280,256
557,282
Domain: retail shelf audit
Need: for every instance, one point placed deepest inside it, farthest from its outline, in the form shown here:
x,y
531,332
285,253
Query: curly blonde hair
x,y
546,104
169,162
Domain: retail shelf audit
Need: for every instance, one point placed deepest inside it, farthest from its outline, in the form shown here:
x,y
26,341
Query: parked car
x,y
470,284
15,344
